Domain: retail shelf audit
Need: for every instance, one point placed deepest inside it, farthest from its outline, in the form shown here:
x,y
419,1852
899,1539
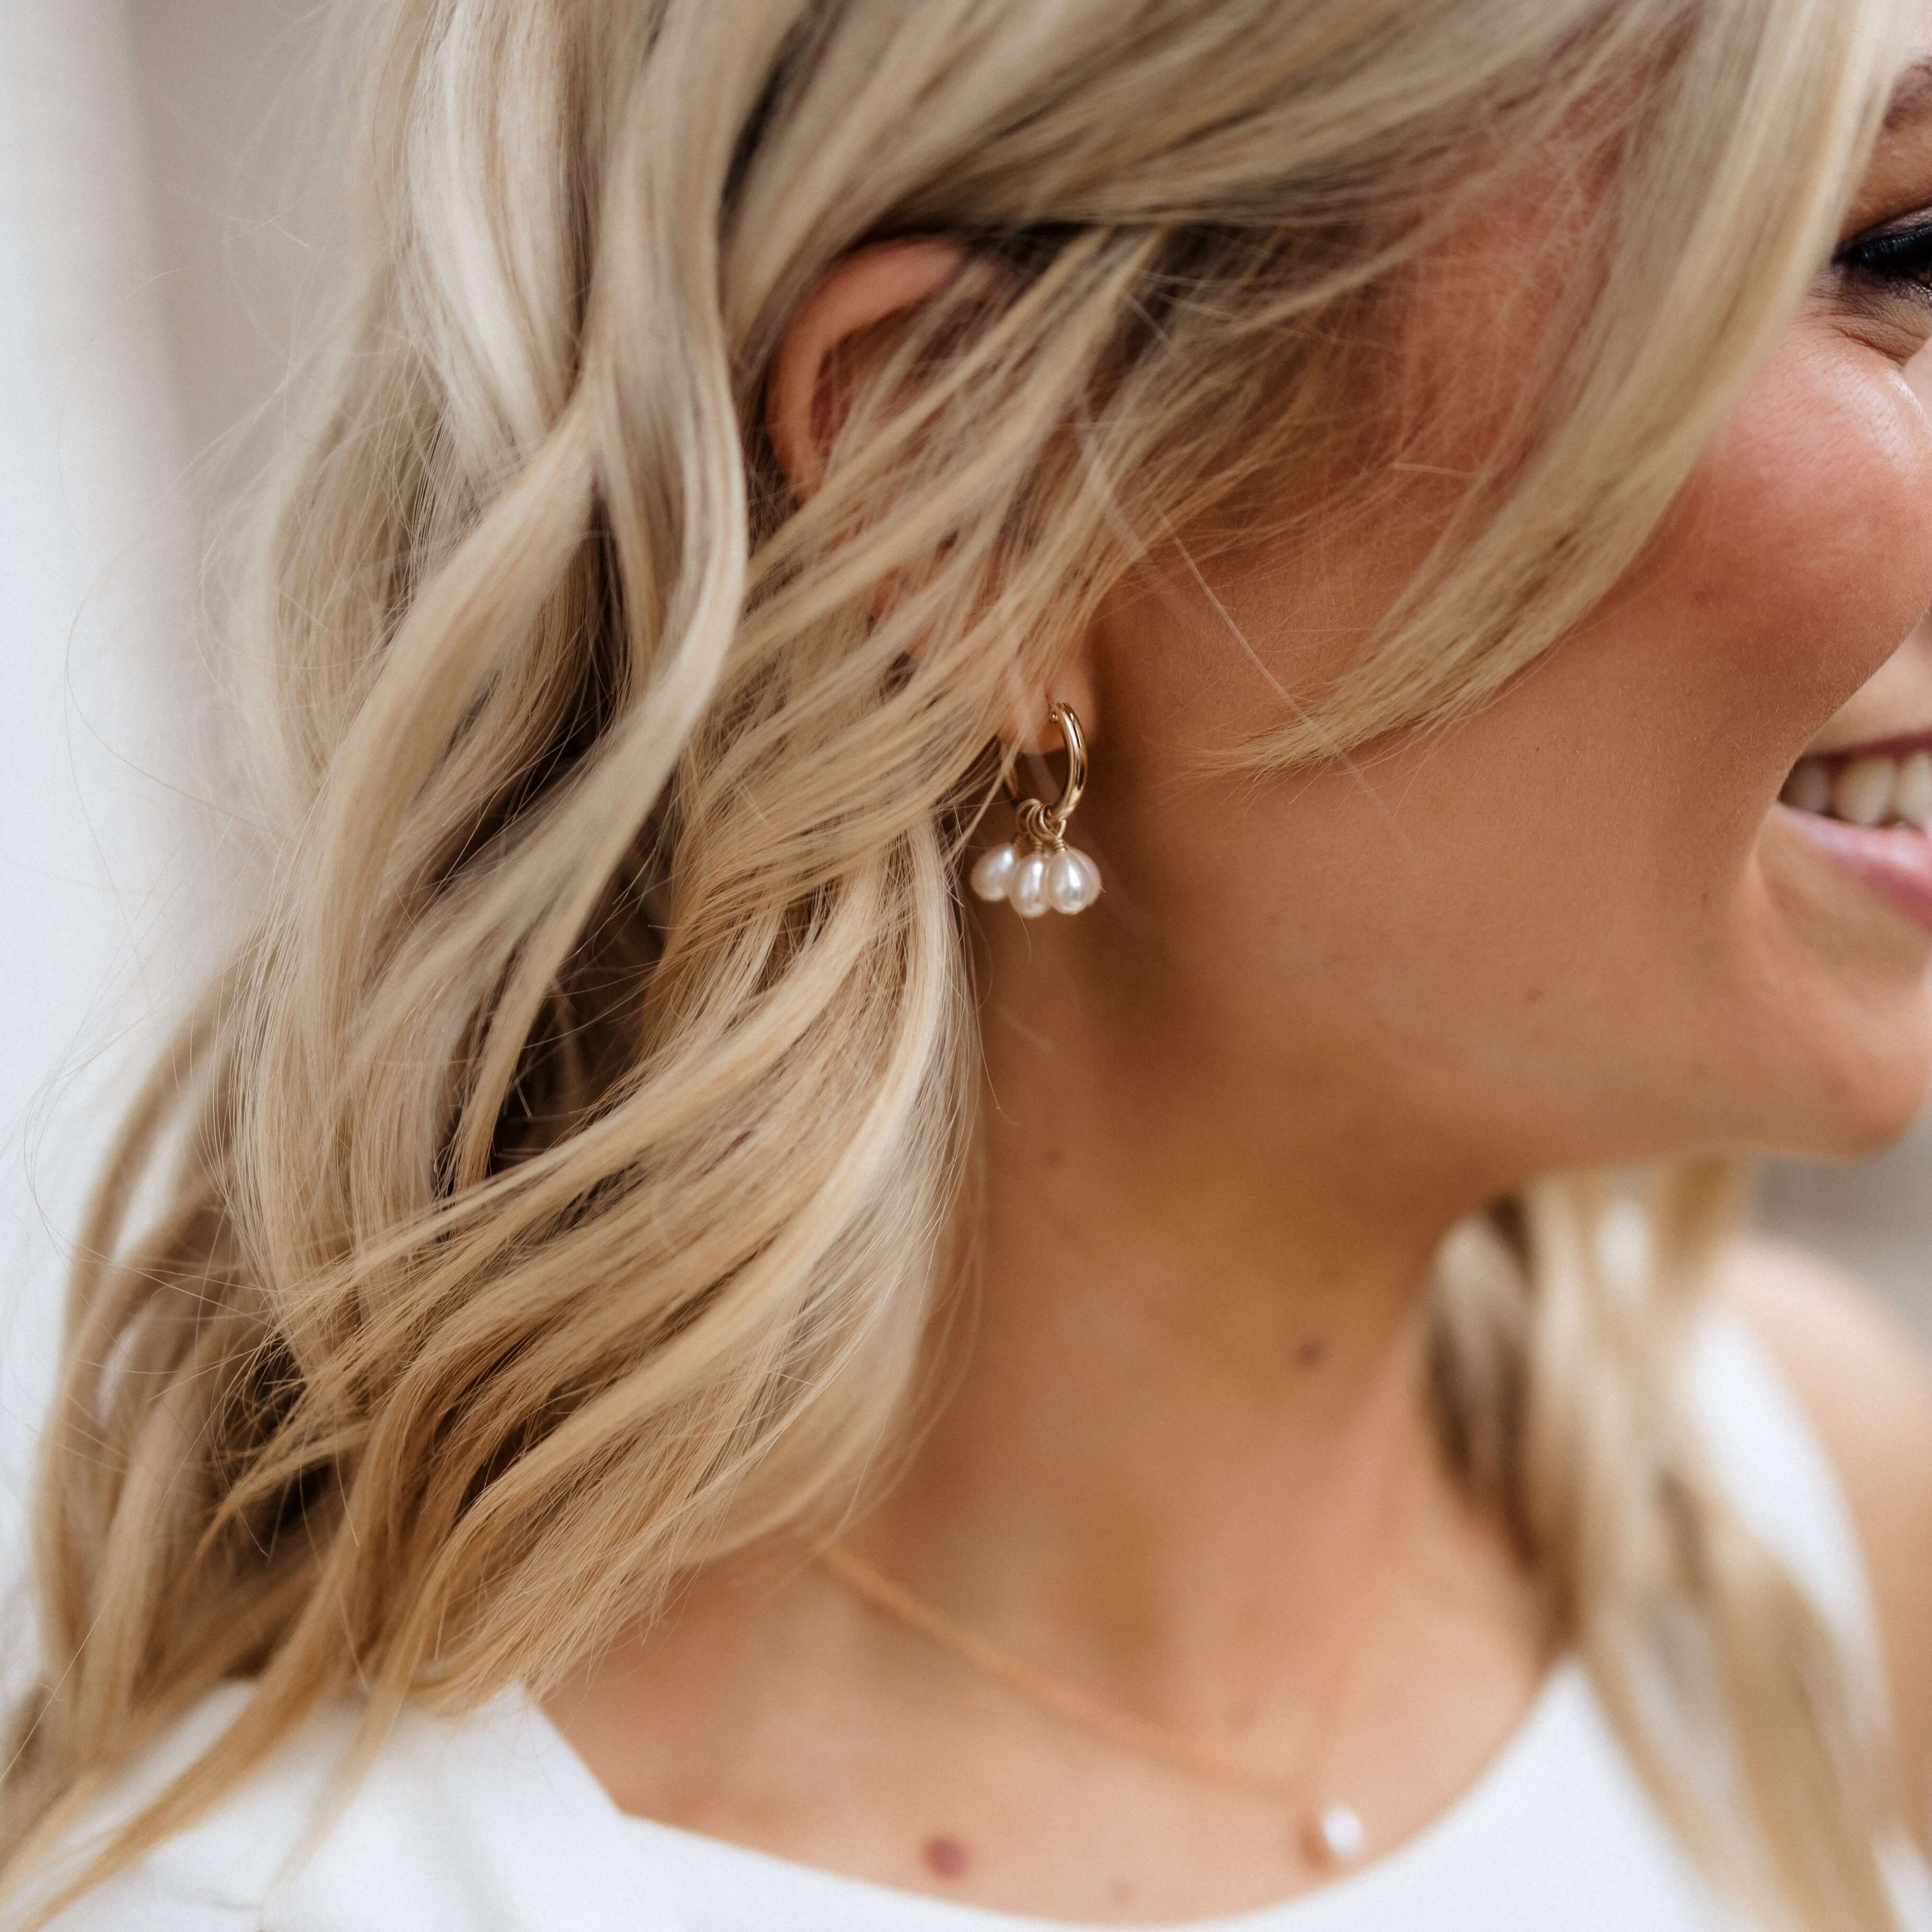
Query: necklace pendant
x,y
1335,1835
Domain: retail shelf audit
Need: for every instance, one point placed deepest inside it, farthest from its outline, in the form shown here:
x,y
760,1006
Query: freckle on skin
x,y
944,1857
1311,1354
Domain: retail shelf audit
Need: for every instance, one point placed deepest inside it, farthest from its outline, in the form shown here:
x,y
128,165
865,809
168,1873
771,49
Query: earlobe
x,y
869,286
1031,730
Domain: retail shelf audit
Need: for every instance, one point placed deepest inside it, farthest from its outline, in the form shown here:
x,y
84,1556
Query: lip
x,y
1895,861
1901,746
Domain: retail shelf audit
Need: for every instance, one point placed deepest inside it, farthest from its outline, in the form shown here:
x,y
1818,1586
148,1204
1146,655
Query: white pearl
x,y
994,874
1340,1833
1072,880
1027,892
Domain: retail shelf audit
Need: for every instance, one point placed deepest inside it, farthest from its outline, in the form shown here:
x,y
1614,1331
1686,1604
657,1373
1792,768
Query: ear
x,y
804,406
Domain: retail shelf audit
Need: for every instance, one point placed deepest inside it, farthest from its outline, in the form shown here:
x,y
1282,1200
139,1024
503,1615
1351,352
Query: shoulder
x,y
1863,1380
456,1825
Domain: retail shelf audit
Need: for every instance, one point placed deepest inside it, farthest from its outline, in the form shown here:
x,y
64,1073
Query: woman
x,y
653,1359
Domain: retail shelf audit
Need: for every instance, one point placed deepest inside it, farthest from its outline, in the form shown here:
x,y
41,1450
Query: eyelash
x,y
1900,259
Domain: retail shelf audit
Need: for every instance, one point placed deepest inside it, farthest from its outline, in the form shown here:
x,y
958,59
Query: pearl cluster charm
x,y
1039,871
1036,880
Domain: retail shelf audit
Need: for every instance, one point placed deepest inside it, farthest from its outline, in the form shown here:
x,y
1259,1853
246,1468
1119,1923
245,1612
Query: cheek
x,y
1802,552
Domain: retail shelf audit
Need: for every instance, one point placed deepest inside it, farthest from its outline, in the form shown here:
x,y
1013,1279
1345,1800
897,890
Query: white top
x,y
492,1823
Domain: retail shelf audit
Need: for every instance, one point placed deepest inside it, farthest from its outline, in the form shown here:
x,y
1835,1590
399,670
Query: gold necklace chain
x,y
1331,1832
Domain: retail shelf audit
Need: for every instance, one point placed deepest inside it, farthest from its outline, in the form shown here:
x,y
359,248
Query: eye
x,y
1898,260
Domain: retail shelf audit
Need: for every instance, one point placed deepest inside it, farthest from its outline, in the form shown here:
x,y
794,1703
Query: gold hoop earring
x,y
1039,871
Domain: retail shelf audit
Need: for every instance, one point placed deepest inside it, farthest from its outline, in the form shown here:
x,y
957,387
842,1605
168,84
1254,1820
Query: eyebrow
x,y
1911,99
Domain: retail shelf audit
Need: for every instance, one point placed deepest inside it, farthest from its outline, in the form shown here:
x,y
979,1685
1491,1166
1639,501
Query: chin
x,y
1866,1097
1834,1012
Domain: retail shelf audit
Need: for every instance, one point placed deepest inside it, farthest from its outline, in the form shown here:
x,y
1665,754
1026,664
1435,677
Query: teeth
x,y
1914,798
1809,787
1862,792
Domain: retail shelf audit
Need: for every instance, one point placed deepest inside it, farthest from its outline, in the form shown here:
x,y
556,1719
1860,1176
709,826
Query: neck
x,y
1184,1378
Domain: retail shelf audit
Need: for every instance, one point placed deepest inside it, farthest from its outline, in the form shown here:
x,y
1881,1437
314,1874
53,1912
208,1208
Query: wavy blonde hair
x,y
550,1196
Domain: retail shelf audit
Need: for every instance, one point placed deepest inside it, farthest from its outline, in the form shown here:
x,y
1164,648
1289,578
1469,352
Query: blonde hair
x,y
551,1194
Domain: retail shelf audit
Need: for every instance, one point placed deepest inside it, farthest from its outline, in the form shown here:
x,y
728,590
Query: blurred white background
x,y
158,252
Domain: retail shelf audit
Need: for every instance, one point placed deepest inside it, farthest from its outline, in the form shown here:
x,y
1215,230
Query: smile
x,y
1868,787
1868,808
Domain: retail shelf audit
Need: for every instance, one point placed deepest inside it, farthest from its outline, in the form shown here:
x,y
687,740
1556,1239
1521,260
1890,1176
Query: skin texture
x,y
1229,1112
